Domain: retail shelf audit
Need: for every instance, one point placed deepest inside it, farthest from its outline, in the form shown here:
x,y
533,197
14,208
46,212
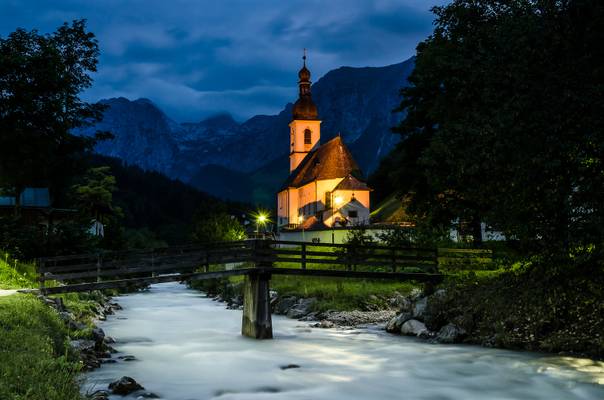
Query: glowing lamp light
x,y
261,219
300,219
338,200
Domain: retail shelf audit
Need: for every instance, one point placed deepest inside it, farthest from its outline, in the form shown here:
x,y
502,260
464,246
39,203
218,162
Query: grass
x,y
341,294
15,274
37,363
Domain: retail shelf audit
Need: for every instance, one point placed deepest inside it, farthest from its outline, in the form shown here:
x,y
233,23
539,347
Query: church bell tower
x,y
305,128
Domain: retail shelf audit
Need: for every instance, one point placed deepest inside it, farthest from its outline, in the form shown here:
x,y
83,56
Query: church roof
x,y
313,223
351,183
330,161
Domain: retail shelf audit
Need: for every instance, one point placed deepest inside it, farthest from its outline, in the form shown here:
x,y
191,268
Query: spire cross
x,y
304,57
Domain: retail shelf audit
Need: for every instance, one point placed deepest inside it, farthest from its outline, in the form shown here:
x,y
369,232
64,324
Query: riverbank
x,y
329,302
37,362
46,342
553,310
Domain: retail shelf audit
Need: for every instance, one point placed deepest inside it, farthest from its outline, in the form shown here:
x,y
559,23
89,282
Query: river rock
x,y
99,395
419,309
413,327
284,304
450,333
71,322
82,345
394,325
356,317
125,385
325,324
147,395
302,308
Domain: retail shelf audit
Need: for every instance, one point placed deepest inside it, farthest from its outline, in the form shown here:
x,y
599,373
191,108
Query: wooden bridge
x,y
257,260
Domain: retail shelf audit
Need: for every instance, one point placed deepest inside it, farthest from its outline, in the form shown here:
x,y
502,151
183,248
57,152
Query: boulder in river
x,y
413,327
419,309
283,304
124,386
450,333
325,324
99,395
394,325
302,308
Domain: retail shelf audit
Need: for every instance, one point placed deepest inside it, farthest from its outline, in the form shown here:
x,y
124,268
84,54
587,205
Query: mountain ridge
x,y
356,103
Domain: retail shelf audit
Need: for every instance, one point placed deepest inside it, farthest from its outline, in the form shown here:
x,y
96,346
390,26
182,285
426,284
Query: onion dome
x,y
304,74
304,108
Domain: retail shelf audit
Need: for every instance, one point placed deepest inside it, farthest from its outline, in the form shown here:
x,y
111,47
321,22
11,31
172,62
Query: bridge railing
x,y
212,260
137,263
352,258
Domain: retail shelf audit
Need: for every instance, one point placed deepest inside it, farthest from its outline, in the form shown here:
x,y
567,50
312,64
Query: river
x,y
189,347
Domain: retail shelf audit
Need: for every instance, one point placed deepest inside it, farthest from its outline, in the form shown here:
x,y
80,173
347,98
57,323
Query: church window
x,y
353,214
307,136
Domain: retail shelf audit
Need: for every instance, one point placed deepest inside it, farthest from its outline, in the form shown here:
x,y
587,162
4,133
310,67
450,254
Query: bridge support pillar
x,y
257,322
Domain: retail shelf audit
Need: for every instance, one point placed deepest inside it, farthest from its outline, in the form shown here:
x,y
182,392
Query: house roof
x,y
351,183
329,161
30,197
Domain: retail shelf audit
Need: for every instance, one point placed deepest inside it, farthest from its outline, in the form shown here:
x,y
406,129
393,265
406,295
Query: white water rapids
x,y
189,347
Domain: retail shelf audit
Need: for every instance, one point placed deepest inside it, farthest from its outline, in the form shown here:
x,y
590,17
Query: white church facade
x,y
325,188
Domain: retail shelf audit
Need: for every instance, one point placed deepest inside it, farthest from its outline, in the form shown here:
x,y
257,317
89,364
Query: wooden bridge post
x,y
257,321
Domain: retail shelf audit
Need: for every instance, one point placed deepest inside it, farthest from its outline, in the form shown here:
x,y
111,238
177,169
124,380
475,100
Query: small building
x,y
36,208
325,188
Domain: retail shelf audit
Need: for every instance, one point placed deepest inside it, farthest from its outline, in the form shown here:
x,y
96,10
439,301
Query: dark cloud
x,y
196,58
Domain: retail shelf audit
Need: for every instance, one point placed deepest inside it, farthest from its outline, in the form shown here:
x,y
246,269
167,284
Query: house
x,y
36,208
325,188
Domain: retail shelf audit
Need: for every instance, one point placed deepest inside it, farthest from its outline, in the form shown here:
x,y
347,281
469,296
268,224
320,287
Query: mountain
x,y
144,135
243,161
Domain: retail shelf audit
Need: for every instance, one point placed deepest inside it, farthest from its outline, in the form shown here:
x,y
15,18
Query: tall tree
x,y
41,78
94,195
505,120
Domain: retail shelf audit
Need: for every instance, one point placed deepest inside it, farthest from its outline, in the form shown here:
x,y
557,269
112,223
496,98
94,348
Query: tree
x,y
216,227
41,78
505,121
94,196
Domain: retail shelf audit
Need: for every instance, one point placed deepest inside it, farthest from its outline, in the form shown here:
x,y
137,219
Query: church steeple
x,y
305,128
304,108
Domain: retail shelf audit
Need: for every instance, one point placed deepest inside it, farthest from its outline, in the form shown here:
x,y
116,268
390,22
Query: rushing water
x,y
189,347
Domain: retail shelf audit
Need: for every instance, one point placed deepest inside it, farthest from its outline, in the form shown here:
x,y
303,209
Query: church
x,y
325,187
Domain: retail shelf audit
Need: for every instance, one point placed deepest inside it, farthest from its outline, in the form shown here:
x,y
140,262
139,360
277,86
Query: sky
x,y
196,58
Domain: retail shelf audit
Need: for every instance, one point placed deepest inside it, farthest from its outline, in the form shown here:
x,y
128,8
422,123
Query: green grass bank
x,y
37,362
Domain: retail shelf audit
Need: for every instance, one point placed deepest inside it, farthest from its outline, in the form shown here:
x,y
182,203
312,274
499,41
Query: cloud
x,y
195,58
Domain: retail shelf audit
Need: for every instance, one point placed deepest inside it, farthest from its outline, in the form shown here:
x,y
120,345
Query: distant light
x,y
338,200
300,219
261,218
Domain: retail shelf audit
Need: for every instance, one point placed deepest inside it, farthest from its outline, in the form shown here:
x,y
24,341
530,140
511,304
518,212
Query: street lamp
x,y
260,220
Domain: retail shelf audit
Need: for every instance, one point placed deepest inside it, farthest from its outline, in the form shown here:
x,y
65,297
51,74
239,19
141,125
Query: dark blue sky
x,y
195,58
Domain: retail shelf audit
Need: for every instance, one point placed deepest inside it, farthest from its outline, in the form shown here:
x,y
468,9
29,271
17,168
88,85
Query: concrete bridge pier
x,y
257,322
